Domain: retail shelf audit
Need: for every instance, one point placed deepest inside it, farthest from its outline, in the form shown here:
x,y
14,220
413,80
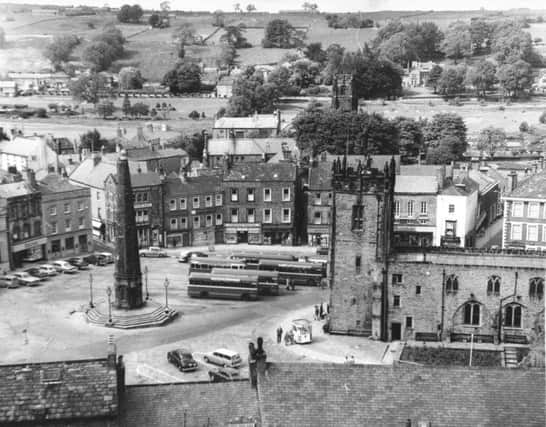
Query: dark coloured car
x,y
185,257
80,263
95,259
9,281
182,359
322,251
221,375
36,272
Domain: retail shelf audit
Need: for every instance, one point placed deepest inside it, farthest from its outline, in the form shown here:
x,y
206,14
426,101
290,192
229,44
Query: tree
x,y
105,108
411,136
399,48
373,77
184,78
60,49
165,6
87,88
335,131
515,78
251,94
447,133
130,13
93,141
234,36
434,77
457,43
193,145
510,42
314,52
446,151
491,140
126,106
482,77
218,18
250,8
130,78
452,81
140,109
304,73
194,115
154,20
99,56
280,77
228,56
279,33
113,37
237,8
334,60
481,33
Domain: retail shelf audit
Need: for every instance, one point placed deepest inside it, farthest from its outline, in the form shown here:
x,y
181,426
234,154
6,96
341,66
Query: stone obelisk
x,y
128,277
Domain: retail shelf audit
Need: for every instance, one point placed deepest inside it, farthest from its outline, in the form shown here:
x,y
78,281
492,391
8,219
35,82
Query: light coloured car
x,y
153,251
49,269
64,267
108,257
224,357
9,281
26,279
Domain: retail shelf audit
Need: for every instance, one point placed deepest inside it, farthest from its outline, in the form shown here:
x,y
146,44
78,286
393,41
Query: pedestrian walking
x,y
316,312
279,335
321,311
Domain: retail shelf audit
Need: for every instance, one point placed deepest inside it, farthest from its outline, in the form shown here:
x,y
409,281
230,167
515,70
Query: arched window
x,y
472,313
512,316
493,285
452,284
536,287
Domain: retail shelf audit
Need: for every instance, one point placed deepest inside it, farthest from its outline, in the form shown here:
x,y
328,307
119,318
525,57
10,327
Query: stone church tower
x,y
343,96
128,276
362,234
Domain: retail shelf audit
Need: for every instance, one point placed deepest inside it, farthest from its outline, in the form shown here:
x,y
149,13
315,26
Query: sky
x,y
324,5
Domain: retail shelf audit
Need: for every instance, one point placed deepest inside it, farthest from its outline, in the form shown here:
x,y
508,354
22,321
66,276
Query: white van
x,y
224,357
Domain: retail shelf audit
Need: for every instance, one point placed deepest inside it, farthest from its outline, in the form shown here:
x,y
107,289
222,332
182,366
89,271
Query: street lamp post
x,y
146,282
109,293
166,284
91,305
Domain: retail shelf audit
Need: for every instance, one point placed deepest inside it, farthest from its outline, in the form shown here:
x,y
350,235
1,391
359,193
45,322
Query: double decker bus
x,y
206,264
268,281
294,272
209,285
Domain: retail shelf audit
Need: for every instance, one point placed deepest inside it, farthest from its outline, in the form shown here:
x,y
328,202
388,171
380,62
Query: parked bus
x,y
293,272
208,285
268,281
255,257
206,264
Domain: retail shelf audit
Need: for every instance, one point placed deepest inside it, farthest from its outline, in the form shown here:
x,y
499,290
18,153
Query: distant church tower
x,y
362,233
128,276
343,96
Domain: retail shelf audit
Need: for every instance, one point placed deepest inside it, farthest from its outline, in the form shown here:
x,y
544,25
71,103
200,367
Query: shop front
x,y
28,251
243,233
278,235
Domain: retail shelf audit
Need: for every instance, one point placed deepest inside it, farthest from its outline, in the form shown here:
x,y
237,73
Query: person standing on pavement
x,y
321,311
279,335
316,312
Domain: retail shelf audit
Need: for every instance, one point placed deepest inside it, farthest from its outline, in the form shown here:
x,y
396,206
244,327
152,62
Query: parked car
x,y
186,256
95,259
37,272
64,267
220,375
79,263
322,250
26,279
108,257
224,357
153,251
9,281
49,269
182,359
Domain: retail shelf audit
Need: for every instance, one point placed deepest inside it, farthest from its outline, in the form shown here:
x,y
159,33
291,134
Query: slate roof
x,y
63,144
265,172
257,121
190,404
532,188
454,190
320,177
307,394
23,146
15,189
203,184
248,146
54,183
416,184
57,391
92,175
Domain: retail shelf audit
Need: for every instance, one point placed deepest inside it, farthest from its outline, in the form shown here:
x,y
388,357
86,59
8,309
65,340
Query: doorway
x,y
242,237
396,331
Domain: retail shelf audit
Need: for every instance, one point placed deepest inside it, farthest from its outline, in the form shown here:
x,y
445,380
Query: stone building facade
x,y
437,293
67,217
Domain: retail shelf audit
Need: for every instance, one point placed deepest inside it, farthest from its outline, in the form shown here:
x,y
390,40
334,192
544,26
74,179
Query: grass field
x,y
154,53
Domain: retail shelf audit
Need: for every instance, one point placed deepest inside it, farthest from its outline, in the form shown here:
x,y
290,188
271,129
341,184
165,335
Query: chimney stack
x,y
513,180
30,177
